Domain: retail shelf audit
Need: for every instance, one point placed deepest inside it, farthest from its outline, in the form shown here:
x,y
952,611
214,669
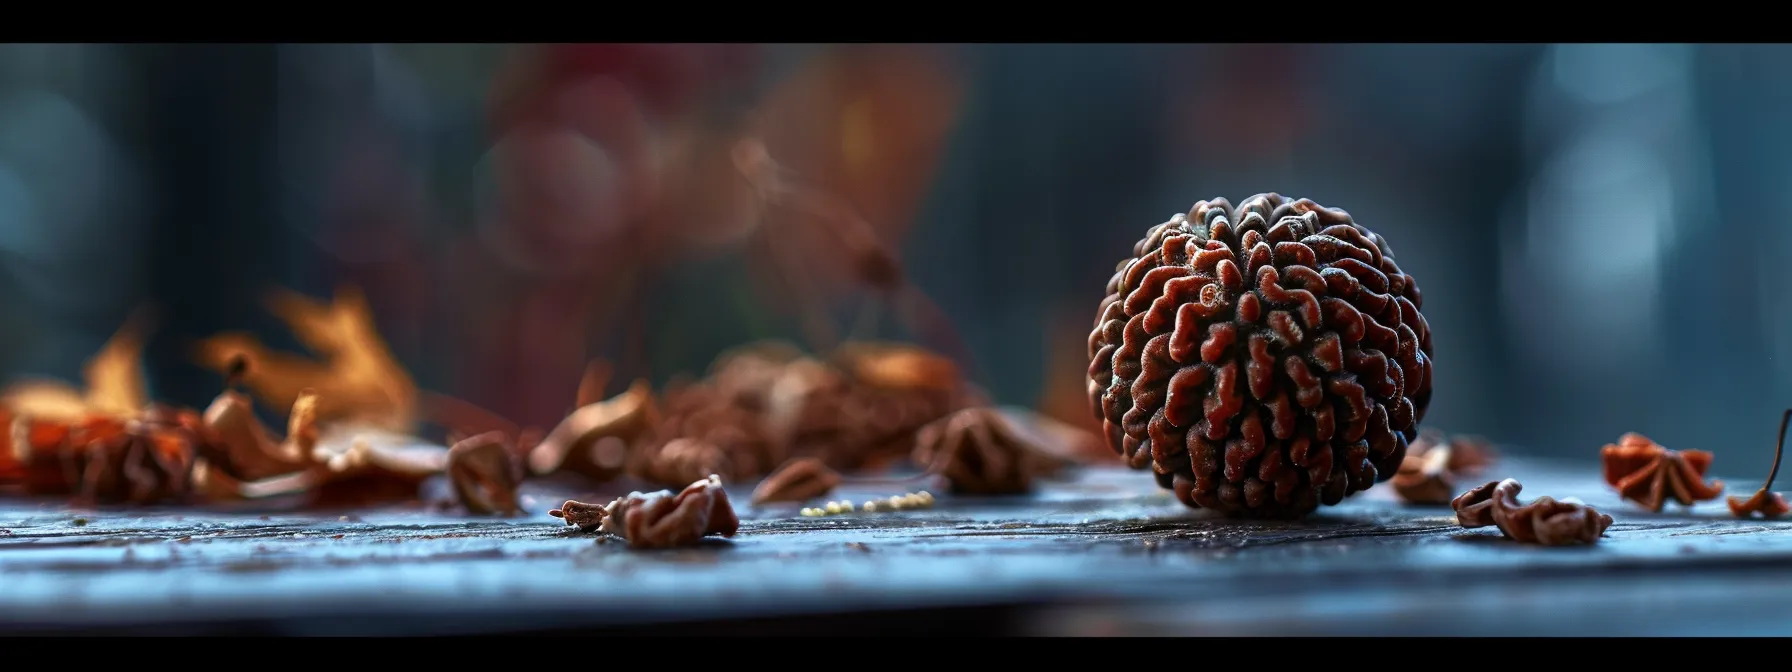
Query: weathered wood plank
x,y
1107,536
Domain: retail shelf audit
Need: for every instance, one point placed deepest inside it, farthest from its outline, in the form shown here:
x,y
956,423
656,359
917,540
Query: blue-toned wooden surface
x,y
1104,553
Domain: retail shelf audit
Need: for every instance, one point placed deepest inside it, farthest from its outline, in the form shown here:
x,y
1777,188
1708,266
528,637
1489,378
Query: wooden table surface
x,y
1105,552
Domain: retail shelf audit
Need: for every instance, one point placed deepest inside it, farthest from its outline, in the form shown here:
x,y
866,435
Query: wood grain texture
x,y
1101,552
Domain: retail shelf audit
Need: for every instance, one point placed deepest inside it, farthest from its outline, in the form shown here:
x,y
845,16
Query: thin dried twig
x,y
1765,501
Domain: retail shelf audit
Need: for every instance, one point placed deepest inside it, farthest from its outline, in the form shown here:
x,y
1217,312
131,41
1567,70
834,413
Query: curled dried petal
x,y
680,461
485,474
1544,521
799,480
979,452
1433,462
660,519
595,439
1768,504
588,517
246,448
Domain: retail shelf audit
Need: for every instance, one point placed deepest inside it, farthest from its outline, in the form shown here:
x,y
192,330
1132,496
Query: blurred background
x,y
1574,213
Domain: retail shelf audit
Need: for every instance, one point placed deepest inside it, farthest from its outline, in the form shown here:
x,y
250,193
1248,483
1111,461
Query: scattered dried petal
x,y
244,447
592,384
113,377
1544,521
979,452
799,480
101,460
485,475
660,519
356,375
1768,504
1428,473
1646,473
1069,442
587,516
595,439
853,422
680,461
898,366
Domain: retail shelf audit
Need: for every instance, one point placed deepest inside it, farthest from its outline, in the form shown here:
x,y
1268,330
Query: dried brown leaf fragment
x,y
1544,521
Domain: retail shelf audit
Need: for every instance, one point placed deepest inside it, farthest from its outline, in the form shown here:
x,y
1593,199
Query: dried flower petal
x,y
979,452
1646,473
898,366
101,460
485,475
710,413
1768,504
595,439
591,385
1544,521
680,461
587,516
113,377
1428,473
660,519
356,375
244,447
854,422
799,480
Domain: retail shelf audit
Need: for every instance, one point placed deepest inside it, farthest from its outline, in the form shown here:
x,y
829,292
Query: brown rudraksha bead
x,y
1263,360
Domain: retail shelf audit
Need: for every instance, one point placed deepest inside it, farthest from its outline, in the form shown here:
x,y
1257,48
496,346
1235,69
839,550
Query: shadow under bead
x,y
1262,360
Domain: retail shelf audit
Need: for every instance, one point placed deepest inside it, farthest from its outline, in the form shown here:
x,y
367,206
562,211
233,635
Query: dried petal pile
x,y
107,445
862,408
1264,360
1644,472
349,440
1544,521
